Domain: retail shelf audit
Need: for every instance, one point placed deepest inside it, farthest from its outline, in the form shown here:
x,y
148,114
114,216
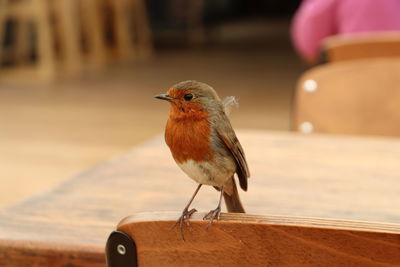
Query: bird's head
x,y
192,98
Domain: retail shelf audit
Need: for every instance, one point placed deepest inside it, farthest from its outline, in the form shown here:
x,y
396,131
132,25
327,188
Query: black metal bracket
x,y
120,250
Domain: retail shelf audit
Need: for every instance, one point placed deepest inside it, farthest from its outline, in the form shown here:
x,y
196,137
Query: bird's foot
x,y
213,215
184,219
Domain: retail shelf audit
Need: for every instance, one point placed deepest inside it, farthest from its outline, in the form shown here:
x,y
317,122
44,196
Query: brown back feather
x,y
228,137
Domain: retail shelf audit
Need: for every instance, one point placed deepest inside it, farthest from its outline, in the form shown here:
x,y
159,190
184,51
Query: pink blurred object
x,y
318,19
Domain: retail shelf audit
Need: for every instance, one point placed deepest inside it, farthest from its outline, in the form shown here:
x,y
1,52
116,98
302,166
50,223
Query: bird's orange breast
x,y
188,135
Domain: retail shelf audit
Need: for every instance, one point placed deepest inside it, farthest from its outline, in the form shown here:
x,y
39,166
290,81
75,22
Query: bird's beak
x,y
164,97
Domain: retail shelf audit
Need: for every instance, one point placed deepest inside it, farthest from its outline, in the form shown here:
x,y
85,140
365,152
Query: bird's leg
x,y
186,213
214,214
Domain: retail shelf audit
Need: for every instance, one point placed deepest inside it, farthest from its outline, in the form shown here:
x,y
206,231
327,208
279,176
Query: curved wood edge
x,y
251,240
360,38
197,218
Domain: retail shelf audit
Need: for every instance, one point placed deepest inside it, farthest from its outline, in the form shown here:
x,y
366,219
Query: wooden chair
x,y
249,240
354,97
130,28
36,11
361,46
61,25
44,16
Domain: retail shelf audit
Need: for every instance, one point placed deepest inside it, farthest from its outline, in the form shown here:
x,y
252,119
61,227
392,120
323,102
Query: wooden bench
x,y
320,176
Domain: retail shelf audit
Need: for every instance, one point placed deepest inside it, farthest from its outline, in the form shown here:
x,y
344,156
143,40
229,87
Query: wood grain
x,y
248,240
334,177
27,253
354,97
362,46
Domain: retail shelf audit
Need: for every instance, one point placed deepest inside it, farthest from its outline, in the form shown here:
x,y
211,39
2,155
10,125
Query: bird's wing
x,y
229,139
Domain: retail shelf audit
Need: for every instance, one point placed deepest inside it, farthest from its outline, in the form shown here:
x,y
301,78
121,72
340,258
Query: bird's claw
x,y
184,219
212,215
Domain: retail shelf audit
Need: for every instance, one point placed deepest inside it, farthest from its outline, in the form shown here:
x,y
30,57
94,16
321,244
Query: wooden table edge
x,y
51,245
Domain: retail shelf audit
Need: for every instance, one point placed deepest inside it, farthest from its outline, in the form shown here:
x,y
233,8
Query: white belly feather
x,y
208,173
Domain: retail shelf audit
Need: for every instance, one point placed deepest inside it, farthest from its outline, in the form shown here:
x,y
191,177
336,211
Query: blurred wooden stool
x,y
361,46
352,97
129,28
64,28
35,11
40,13
132,29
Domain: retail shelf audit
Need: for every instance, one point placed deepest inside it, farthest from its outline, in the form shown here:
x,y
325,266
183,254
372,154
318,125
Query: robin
x,y
204,145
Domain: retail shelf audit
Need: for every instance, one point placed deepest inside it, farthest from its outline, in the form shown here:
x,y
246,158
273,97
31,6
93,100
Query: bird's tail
x,y
232,201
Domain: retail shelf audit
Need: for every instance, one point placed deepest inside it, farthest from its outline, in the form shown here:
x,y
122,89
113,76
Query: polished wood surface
x,y
361,46
249,240
354,97
319,176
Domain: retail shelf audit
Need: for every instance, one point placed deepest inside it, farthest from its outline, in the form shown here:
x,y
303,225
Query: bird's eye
x,y
188,97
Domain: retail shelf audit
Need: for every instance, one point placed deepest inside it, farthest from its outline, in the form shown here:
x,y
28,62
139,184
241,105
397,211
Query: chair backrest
x,y
250,240
361,46
353,97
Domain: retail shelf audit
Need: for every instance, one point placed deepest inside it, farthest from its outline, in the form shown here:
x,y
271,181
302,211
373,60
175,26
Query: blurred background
x,y
77,77
87,95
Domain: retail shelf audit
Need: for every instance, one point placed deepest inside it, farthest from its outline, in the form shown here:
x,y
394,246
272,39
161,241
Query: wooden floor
x,y
49,132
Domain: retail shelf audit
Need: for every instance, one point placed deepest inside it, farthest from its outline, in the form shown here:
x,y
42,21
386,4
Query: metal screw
x,y
306,127
310,86
121,249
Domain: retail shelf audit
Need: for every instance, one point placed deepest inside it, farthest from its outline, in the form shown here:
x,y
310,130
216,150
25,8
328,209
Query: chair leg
x,y
123,33
22,42
66,11
93,30
46,52
142,29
